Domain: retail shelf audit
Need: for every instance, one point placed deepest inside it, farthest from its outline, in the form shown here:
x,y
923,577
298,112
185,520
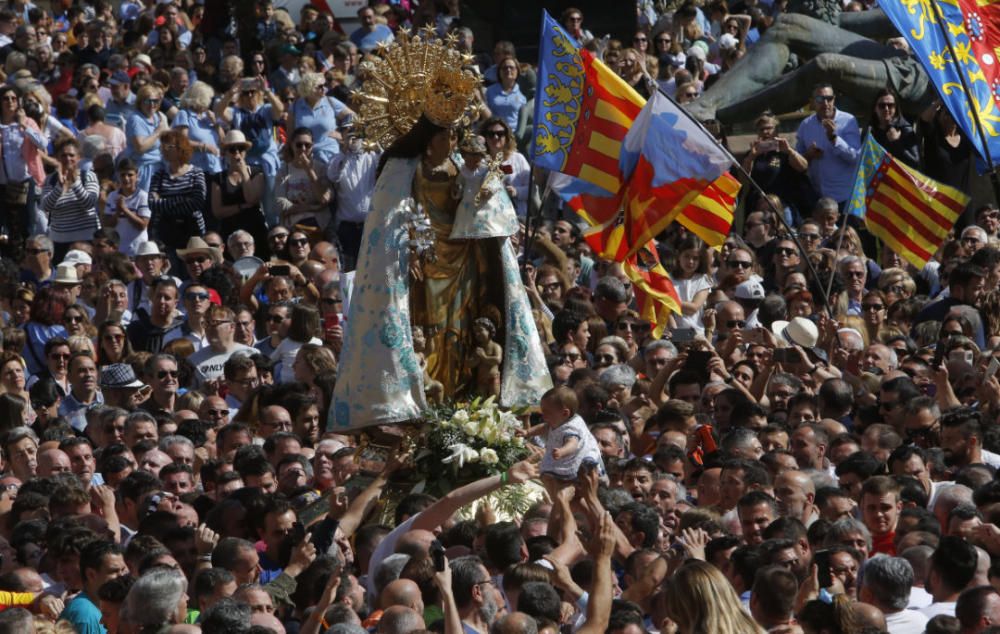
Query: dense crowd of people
x,y
812,446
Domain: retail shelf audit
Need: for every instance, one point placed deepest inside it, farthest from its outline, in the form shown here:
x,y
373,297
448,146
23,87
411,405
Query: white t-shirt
x,y
285,354
945,607
209,364
131,237
687,290
906,622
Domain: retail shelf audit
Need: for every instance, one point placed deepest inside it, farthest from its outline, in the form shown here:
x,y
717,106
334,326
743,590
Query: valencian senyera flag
x,y
582,112
973,26
910,212
672,169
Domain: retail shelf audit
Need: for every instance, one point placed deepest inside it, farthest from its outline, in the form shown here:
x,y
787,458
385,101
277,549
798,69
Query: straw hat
x,y
235,137
66,274
197,245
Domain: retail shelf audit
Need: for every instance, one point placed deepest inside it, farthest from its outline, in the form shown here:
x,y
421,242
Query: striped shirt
x,y
178,205
72,214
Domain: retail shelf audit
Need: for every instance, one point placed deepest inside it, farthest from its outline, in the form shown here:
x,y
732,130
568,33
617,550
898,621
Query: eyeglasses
x,y
150,101
303,146
639,39
824,98
196,296
298,242
886,105
570,356
496,134
784,251
331,300
74,319
736,323
236,150
275,319
809,236
604,358
214,245
664,40
162,374
59,357
875,307
197,259
111,337
855,274
743,264
248,382
218,412
487,582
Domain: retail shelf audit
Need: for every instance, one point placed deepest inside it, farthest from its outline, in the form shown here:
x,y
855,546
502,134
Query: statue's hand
x,y
416,269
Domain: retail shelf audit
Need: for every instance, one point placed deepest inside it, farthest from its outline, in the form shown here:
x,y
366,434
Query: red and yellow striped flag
x,y
909,211
710,216
655,295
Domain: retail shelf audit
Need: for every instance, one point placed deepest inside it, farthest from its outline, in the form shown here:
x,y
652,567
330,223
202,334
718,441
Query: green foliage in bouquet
x,y
463,442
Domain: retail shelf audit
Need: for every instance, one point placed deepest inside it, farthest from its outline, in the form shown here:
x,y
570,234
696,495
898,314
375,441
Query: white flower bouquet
x,y
464,442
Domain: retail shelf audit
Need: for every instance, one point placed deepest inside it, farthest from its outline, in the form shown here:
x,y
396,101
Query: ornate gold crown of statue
x,y
414,75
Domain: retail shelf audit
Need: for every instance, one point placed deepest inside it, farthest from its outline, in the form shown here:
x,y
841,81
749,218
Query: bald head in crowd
x,y
53,461
514,623
403,592
400,620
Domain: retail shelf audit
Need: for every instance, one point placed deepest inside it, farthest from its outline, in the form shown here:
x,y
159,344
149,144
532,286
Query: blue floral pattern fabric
x,y
379,379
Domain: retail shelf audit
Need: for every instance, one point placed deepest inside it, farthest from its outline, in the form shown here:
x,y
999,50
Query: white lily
x,y
461,454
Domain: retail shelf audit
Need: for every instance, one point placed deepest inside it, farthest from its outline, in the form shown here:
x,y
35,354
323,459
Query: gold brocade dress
x,y
458,286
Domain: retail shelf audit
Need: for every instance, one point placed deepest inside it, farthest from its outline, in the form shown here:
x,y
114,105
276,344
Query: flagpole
x,y
843,225
777,212
994,179
531,228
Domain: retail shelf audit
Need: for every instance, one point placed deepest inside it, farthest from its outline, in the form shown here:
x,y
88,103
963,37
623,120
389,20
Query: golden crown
x,y
414,75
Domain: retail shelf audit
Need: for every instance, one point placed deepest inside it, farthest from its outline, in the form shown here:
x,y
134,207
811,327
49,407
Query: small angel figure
x,y
486,357
433,390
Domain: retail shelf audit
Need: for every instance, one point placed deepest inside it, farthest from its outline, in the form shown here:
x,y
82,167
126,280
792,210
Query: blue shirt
x,y
321,119
117,113
258,126
84,615
138,125
506,105
367,41
832,174
201,129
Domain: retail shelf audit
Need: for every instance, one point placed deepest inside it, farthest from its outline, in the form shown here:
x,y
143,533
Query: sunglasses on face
x,y
275,319
736,323
298,242
825,98
196,296
196,260
162,374
743,264
784,251
875,307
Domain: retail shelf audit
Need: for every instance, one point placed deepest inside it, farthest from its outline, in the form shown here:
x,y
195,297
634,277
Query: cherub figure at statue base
x,y
486,357
433,390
